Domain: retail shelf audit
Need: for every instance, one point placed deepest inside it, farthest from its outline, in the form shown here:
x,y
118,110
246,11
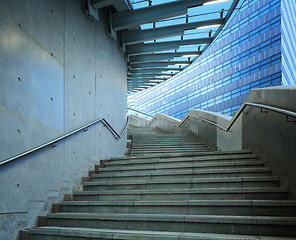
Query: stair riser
x,y
181,159
164,140
176,167
168,151
185,210
170,164
222,228
185,151
107,177
185,196
53,237
182,186
167,146
161,144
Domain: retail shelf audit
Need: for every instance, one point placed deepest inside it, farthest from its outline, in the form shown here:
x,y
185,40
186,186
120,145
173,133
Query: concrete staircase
x,y
175,188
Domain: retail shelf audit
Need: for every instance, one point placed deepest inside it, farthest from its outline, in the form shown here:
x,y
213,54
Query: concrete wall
x,y
58,71
271,135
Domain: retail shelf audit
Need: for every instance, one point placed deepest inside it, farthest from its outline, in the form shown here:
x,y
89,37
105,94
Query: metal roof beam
x,y
119,5
137,49
103,3
130,76
146,79
161,56
128,19
157,64
138,36
155,70
145,71
143,77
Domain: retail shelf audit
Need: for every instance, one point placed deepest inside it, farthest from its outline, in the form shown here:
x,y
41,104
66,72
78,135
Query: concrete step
x,y
184,174
160,138
163,144
188,207
168,149
180,166
156,153
67,233
266,181
168,145
253,225
164,141
182,155
256,193
185,159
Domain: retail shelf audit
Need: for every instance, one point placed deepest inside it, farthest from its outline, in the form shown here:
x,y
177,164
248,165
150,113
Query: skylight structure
x,y
162,37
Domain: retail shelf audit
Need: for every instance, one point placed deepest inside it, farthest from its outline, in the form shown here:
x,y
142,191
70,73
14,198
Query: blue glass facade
x,y
288,39
246,55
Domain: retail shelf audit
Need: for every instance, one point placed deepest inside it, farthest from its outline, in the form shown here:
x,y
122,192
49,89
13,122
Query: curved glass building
x,y
250,52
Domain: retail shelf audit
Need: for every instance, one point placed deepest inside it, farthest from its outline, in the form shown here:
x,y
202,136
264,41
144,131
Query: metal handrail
x,y
103,120
262,106
136,110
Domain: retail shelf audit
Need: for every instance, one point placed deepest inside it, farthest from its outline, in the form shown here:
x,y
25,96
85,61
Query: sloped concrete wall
x,y
165,123
58,71
272,135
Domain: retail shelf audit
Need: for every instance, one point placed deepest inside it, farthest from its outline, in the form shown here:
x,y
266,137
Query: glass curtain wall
x,y
246,55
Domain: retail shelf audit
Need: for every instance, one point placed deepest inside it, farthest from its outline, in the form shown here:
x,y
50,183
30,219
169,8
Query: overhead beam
x,y
161,56
138,36
128,19
147,79
130,76
157,64
119,5
155,70
145,71
103,3
137,49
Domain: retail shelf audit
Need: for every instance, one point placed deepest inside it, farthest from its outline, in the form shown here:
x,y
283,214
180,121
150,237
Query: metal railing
x,y
136,110
233,120
102,120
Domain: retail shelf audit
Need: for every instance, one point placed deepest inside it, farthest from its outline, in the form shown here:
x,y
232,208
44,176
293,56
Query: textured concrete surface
x,y
58,71
272,135
137,121
165,123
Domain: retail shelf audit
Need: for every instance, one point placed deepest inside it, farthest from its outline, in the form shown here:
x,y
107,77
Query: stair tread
x,y
193,190
179,181
245,151
275,220
188,171
184,165
244,203
208,158
144,235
